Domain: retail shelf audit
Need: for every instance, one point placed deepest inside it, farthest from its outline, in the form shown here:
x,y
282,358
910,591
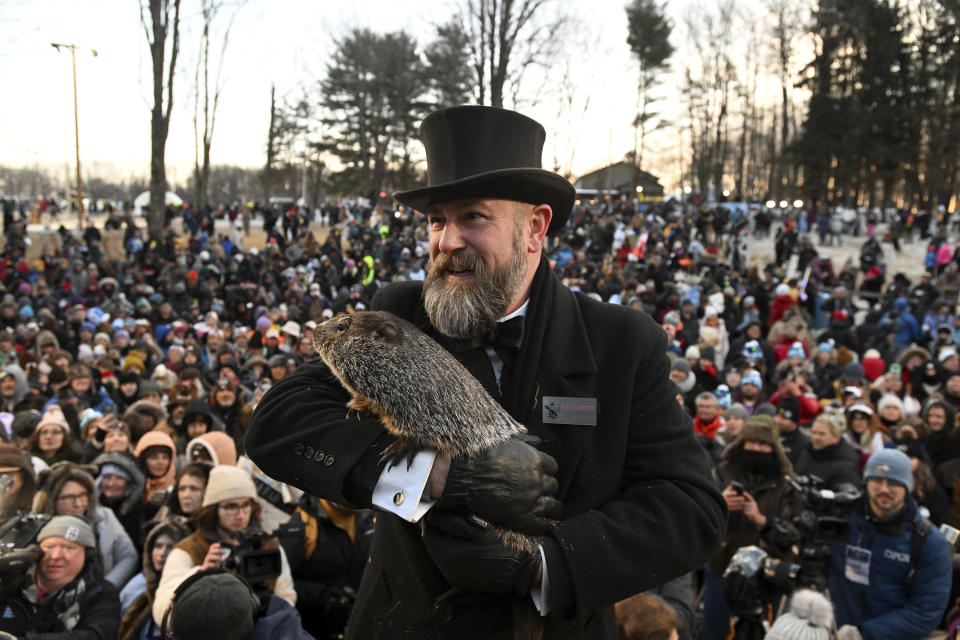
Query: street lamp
x,y
76,123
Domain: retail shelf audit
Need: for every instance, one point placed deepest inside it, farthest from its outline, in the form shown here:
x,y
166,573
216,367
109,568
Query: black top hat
x,y
486,152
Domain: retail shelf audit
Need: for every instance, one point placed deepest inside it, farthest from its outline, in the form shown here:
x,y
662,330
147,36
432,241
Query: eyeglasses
x,y
231,508
74,498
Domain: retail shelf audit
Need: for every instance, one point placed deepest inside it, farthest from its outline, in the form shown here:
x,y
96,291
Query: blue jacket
x,y
887,609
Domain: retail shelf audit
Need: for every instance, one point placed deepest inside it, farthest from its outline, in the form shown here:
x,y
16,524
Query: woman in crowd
x,y
229,507
136,598
942,441
81,392
863,431
157,455
121,489
52,441
68,489
16,474
829,456
187,495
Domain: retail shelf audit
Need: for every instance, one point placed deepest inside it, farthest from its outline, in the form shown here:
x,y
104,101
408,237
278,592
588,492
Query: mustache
x,y
457,261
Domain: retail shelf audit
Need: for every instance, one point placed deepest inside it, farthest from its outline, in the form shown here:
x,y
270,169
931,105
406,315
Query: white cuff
x,y
400,488
539,593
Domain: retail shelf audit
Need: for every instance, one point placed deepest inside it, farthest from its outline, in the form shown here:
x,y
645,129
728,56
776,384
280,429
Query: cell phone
x,y
738,487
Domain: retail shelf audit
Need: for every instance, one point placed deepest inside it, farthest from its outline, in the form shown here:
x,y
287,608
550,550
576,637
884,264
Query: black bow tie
x,y
506,337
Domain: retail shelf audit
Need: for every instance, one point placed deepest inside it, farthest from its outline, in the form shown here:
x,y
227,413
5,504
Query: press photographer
x,y
892,580
754,476
223,539
62,592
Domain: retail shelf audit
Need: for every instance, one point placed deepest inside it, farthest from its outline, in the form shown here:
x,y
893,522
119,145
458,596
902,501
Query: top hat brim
x,y
534,186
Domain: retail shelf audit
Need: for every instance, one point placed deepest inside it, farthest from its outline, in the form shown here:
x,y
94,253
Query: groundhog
x,y
420,392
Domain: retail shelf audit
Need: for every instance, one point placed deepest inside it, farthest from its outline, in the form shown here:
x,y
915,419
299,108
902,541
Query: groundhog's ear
x,y
388,331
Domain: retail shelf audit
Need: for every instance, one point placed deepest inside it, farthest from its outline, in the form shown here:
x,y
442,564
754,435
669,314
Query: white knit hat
x,y
228,483
810,618
54,415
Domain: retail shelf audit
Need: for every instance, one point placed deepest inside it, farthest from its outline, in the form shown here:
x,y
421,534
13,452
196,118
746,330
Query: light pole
x,y
76,123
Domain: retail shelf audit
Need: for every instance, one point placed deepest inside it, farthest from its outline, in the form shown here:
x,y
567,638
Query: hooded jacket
x,y
219,446
164,482
137,614
117,553
129,509
10,404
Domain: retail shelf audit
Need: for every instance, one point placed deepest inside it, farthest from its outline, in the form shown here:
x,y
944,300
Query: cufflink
x,y
398,498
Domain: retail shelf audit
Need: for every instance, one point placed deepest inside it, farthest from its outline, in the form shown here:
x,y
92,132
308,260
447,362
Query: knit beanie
x,y
789,408
228,483
54,415
72,528
890,400
796,349
681,364
810,618
892,465
215,606
110,468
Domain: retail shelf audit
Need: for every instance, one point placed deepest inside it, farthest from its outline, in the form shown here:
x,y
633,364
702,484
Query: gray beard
x,y
467,310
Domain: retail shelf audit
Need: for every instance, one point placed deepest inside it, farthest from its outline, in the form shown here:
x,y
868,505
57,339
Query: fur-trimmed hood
x,y
51,481
129,464
177,528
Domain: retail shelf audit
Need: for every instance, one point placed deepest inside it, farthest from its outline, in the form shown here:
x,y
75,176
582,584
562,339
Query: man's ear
x,y
540,219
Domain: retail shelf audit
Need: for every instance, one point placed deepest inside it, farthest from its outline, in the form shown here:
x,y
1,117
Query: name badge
x,y
857,566
563,410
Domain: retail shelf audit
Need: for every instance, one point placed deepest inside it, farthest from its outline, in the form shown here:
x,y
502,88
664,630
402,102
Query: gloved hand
x,y
849,632
473,558
512,484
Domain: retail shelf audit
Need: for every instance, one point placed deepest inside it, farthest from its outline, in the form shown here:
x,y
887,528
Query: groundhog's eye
x,y
343,326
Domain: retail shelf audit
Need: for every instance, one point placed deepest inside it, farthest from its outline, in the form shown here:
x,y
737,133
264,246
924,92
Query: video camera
x,y
249,560
18,550
796,552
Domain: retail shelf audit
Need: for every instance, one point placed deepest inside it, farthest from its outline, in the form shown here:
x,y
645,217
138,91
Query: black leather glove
x,y
511,484
473,558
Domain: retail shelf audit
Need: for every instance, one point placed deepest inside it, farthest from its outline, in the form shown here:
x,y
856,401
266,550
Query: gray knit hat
x,y
215,606
72,528
892,465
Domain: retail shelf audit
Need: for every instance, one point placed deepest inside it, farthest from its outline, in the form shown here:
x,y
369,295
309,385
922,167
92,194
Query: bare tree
x,y
506,37
209,9
161,24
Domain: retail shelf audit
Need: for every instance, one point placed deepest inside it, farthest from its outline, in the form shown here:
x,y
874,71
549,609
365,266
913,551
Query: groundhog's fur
x,y
422,394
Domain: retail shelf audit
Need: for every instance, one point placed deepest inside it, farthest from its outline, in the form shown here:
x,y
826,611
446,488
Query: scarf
x,y
65,601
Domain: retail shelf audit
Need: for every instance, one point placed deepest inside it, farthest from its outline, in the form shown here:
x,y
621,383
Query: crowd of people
x,y
131,368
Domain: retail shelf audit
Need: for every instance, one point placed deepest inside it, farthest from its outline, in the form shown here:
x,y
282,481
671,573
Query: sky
x,y
281,42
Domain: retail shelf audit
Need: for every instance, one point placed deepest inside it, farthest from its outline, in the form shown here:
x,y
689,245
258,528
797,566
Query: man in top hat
x,y
617,488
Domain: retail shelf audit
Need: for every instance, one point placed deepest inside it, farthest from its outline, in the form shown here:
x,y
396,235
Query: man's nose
x,y
451,238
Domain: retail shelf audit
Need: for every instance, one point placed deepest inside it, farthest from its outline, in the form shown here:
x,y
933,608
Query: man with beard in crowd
x,y
617,488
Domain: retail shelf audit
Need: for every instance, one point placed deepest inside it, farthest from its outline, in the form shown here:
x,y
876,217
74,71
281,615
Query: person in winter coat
x,y
891,581
229,506
214,448
82,392
136,597
68,489
52,440
13,387
828,456
197,420
62,595
18,498
187,495
157,455
327,556
756,461
121,484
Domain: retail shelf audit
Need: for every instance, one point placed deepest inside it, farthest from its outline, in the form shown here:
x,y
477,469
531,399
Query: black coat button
x,y
298,448
328,461
308,453
319,456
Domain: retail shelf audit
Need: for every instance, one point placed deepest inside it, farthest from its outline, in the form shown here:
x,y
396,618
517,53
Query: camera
x,y
18,550
796,549
250,560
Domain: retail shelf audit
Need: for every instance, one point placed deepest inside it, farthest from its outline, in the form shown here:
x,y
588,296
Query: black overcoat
x,y
640,506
